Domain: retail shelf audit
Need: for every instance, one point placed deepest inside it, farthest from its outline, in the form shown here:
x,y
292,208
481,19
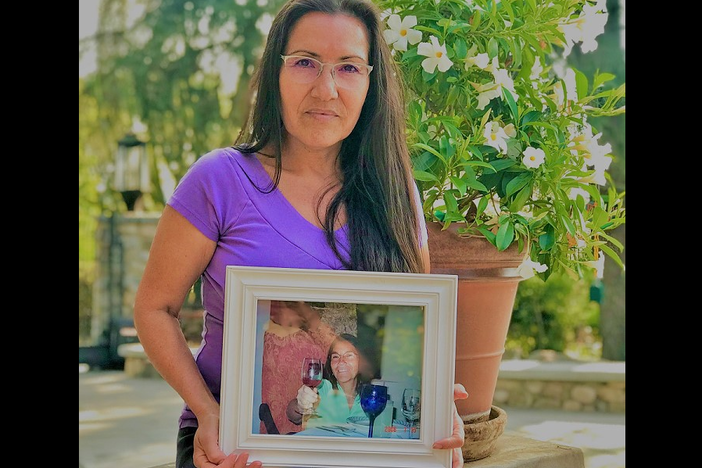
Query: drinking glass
x,y
373,400
312,376
411,407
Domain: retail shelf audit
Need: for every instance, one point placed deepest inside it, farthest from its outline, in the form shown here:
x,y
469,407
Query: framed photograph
x,y
338,368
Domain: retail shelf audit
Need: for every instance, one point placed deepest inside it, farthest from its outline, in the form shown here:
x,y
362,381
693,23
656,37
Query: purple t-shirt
x,y
219,196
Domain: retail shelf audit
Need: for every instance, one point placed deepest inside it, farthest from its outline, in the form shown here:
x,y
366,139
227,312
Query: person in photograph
x,y
295,331
319,178
336,399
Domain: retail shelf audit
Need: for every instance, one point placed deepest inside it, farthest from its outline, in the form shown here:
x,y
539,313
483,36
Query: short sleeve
x,y
207,194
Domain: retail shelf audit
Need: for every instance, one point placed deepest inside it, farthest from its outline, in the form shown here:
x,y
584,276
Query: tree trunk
x,y
613,307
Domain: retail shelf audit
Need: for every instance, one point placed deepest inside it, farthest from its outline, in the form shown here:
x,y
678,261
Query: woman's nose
x,y
324,87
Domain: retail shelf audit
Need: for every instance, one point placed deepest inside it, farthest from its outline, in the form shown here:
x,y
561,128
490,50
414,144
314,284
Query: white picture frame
x,y
249,290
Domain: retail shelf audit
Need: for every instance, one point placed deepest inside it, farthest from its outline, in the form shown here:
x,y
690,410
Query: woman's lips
x,y
321,114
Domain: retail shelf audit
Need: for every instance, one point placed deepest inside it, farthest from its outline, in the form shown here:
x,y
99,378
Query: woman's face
x,y
344,361
320,114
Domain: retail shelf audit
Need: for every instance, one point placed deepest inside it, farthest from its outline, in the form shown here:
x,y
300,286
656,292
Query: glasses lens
x,y
302,69
350,75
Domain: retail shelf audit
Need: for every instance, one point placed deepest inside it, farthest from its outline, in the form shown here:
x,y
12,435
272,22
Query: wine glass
x,y
373,400
411,407
312,376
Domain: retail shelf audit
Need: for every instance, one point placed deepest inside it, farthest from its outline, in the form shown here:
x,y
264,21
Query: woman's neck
x,y
303,161
349,389
281,330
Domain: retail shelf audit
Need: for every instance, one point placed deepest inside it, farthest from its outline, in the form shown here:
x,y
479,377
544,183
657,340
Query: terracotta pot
x,y
487,287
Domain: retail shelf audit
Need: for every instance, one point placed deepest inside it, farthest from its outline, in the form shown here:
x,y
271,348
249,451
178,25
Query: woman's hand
x,y
206,451
306,398
455,440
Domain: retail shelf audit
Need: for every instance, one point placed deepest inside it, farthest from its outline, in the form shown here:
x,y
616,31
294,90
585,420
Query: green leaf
x,y
613,255
431,150
517,183
427,77
600,79
487,233
493,48
450,200
502,164
507,95
505,236
475,184
479,164
581,84
531,116
612,240
508,9
482,204
521,198
461,48
477,18
548,239
570,227
459,183
433,31
424,176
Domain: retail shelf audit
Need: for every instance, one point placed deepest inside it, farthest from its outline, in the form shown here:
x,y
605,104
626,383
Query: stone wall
x,y
569,386
123,243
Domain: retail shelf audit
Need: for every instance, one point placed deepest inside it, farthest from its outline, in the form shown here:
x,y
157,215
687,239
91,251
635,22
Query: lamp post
x,y
131,170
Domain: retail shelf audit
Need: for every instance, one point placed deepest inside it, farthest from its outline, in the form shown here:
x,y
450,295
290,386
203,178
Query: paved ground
x,y
126,422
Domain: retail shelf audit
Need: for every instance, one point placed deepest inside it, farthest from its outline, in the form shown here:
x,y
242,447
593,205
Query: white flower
x,y
436,56
479,60
533,157
489,91
571,87
585,28
536,69
486,93
495,136
527,267
598,265
574,192
401,32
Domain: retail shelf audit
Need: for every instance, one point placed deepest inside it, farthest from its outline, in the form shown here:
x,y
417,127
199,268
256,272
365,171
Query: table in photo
x,y
398,430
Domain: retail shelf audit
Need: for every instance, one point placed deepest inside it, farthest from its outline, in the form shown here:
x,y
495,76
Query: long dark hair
x,y
366,371
377,190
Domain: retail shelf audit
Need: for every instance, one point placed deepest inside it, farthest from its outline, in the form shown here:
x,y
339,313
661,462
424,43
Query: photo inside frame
x,y
379,346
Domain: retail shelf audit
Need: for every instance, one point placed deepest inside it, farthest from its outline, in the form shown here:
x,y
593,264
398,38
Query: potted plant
x,y
505,153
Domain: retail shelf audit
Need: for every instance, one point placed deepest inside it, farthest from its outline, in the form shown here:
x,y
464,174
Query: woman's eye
x,y
348,68
307,63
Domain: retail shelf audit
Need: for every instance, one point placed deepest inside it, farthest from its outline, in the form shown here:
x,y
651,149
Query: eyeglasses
x,y
305,70
348,357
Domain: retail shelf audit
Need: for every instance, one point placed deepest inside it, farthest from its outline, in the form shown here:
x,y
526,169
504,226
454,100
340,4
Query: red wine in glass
x,y
312,375
310,382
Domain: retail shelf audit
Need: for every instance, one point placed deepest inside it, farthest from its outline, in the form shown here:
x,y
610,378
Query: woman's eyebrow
x,y
317,56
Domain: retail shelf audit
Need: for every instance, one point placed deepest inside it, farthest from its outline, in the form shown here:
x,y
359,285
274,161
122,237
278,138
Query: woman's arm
x,y
178,256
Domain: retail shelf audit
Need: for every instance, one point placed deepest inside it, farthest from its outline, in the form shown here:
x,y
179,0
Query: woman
x,y
337,397
321,178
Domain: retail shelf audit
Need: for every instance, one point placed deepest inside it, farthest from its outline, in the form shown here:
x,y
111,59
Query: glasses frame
x,y
323,64
347,356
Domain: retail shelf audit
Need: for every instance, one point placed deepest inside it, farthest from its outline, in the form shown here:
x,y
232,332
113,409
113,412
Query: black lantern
x,y
131,169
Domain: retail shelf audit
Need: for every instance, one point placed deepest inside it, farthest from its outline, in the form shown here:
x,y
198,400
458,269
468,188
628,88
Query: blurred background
x,y
161,82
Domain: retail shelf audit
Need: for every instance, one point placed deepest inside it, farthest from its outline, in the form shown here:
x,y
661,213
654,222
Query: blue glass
x,y
373,401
